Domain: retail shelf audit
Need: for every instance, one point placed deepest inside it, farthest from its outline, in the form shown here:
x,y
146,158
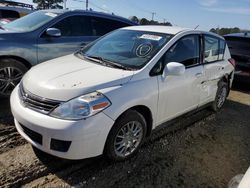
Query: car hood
x,y
67,77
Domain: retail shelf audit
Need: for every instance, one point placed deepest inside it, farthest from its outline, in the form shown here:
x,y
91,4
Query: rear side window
x,y
101,26
74,26
214,49
9,14
238,46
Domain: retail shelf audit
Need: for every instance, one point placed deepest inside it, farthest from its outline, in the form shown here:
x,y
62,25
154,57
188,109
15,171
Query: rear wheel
x,y
11,73
221,96
126,136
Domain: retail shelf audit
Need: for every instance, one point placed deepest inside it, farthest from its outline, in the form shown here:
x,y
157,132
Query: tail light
x,y
232,61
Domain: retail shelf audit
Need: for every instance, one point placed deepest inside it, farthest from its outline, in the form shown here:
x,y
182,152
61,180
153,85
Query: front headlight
x,y
81,107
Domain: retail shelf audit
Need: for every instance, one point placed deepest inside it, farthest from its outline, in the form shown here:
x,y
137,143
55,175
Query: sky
x,y
184,13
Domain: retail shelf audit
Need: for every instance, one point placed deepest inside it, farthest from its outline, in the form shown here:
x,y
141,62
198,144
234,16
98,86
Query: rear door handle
x,y
198,74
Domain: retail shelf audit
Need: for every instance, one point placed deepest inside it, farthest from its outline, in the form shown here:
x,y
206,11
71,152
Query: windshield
x,y
30,22
129,48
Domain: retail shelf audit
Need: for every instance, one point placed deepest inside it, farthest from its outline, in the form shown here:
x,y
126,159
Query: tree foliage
x,y
144,21
48,4
224,31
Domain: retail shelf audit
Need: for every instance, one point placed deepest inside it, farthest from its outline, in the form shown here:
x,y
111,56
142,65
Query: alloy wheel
x,y
9,78
128,138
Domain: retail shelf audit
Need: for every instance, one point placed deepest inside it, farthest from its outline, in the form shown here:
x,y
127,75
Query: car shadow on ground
x,y
194,153
5,112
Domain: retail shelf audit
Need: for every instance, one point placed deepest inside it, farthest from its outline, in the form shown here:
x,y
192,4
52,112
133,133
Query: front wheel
x,y
221,96
11,73
126,136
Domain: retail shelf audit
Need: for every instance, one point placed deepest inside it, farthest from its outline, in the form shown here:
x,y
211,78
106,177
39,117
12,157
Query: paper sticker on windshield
x,y
50,14
151,37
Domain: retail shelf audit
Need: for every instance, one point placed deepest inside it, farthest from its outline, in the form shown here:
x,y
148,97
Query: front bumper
x,y
86,138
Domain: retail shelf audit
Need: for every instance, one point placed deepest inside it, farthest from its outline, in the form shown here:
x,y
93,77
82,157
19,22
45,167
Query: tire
x,y
126,136
221,96
11,73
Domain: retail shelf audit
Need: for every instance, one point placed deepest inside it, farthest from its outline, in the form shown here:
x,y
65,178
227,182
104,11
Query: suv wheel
x,y
221,96
126,136
11,73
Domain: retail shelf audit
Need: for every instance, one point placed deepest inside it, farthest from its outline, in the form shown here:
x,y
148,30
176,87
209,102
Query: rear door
x,y
180,94
76,31
214,66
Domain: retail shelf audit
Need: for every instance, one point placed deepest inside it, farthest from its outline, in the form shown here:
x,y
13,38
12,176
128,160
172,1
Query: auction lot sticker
x,y
151,37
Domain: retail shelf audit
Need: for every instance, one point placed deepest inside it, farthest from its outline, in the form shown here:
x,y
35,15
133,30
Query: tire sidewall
x,y
215,106
9,62
130,115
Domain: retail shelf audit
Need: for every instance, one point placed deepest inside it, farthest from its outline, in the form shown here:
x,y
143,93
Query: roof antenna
x,y
196,27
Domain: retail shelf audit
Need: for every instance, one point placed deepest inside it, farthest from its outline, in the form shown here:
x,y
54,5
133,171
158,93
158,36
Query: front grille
x,y
37,103
36,137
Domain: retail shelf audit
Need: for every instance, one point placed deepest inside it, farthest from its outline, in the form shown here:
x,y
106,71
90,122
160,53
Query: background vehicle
x,y
45,35
109,96
239,46
14,10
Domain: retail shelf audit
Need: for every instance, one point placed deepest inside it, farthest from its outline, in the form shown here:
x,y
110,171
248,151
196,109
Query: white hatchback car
x,y
109,96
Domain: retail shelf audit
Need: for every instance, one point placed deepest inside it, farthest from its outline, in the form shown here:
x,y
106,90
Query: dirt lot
x,y
204,150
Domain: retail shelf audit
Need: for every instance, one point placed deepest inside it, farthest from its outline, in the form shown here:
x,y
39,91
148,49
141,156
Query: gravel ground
x,y
204,150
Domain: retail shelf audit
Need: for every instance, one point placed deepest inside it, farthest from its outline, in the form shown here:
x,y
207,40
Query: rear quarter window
x,y
238,46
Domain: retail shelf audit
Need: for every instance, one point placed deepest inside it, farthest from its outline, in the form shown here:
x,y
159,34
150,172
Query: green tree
x,y
134,19
48,4
144,21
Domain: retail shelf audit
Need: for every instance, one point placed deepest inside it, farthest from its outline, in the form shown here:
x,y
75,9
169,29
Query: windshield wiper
x,y
107,62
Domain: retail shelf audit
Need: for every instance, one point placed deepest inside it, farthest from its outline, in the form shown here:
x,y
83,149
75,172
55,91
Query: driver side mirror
x,y
53,32
174,69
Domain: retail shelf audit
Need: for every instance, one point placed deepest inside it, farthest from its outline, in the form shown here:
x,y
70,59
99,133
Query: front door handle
x,y
198,74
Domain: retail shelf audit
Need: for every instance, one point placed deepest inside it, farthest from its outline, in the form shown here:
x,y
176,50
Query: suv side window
x,y
185,51
74,26
9,14
101,26
214,49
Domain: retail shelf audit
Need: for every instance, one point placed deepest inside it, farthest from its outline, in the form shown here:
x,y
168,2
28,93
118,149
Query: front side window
x,y
74,26
128,48
214,49
185,51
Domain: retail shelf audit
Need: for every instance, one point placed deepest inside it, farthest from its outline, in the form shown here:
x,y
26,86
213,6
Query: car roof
x,y
17,9
238,35
92,13
158,28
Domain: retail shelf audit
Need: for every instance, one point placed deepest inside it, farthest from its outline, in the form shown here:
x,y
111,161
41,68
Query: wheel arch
x,y
226,78
20,59
145,112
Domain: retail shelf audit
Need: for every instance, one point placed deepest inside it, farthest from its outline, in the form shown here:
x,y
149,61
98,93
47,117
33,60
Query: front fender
x,y
142,92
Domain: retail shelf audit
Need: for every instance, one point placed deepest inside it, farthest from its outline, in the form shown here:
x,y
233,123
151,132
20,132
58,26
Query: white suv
x,y
109,96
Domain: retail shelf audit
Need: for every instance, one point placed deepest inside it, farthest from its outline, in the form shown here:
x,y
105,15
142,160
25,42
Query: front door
x,y
180,94
76,32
